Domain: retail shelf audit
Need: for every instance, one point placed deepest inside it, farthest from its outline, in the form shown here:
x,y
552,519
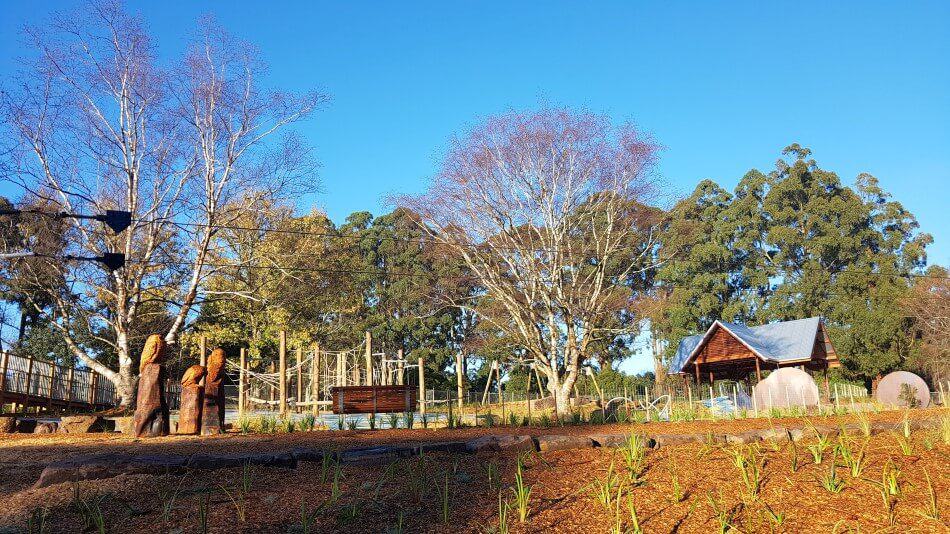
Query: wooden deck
x,y
36,383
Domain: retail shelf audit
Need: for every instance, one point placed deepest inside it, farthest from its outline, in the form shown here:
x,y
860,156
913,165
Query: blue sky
x,y
723,86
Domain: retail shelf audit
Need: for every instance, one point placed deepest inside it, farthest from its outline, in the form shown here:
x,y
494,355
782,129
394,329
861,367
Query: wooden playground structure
x,y
354,380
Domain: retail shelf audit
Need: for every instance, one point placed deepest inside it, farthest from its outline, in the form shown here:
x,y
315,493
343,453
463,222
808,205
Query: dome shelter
x,y
785,388
902,388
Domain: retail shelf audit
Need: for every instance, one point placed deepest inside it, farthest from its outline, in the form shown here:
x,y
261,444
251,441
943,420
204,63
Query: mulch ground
x,y
407,495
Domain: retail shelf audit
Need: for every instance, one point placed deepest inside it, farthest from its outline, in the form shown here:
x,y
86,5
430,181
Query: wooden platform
x,y
29,382
373,399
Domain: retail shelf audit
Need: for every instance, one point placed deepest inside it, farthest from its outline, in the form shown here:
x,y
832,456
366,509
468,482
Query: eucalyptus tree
x,y
97,123
546,210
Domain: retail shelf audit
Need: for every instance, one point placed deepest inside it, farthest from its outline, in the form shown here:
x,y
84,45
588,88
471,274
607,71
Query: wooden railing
x,y
31,382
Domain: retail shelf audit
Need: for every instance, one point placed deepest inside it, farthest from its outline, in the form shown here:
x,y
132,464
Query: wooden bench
x,y
373,399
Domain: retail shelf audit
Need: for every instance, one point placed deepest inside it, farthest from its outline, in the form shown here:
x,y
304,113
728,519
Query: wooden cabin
x,y
735,351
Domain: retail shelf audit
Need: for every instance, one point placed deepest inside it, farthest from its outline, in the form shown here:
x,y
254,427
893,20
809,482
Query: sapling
x,y
393,420
503,508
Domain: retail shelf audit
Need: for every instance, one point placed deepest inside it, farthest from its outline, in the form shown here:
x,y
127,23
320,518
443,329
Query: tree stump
x,y
151,408
212,413
192,401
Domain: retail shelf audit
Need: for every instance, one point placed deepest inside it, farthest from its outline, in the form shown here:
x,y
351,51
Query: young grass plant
x,y
604,488
930,511
168,496
904,444
750,466
36,523
830,480
818,448
503,508
445,499
522,494
308,422
633,453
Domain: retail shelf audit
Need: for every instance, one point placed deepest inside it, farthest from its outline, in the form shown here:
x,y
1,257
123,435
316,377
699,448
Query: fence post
x,y
29,379
69,388
52,383
369,359
528,394
339,377
401,376
459,381
242,383
282,354
202,359
93,385
297,406
315,380
4,365
422,387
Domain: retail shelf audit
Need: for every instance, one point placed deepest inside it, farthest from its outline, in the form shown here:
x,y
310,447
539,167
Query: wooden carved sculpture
x,y
151,409
192,401
212,415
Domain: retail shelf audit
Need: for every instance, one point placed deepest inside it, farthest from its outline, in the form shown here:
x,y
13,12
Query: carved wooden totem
x,y
151,409
192,401
212,415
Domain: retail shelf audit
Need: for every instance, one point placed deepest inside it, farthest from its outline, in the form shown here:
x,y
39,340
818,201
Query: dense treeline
x,y
795,242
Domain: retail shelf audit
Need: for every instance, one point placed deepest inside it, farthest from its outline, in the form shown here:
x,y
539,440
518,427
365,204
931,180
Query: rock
x,y
211,461
750,436
665,440
25,426
189,411
81,424
306,454
452,447
554,442
151,409
608,440
44,428
374,454
774,435
796,434
503,442
7,424
108,466
124,425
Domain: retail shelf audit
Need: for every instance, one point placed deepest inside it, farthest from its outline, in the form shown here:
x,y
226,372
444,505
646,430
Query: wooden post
x,y
488,382
401,375
459,381
29,377
758,371
242,383
501,395
4,365
52,384
338,379
273,391
282,348
369,359
696,365
69,387
297,406
315,380
93,384
422,387
528,394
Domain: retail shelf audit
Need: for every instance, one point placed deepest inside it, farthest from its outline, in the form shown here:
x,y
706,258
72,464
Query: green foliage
x,y
791,244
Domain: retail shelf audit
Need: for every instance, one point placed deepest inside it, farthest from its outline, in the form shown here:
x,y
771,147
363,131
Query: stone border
x,y
112,465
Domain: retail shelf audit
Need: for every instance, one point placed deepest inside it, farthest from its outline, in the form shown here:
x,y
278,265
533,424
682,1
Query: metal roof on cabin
x,y
779,342
685,348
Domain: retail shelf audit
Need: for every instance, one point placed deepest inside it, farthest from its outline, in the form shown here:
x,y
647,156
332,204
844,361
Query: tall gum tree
x,y
548,210
96,123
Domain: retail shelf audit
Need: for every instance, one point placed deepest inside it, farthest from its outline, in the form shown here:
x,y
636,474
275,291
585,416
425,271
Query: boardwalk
x,y
36,383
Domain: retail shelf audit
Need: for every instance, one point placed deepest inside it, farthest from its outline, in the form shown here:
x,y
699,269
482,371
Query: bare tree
x,y
99,125
548,210
928,304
